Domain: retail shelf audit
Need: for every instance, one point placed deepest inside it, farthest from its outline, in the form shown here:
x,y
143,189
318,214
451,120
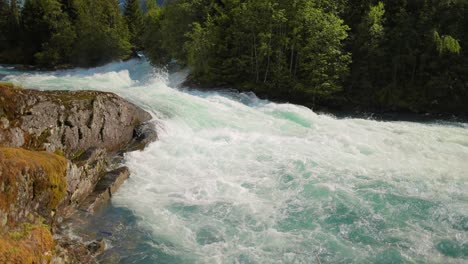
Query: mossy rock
x,y
28,244
45,171
11,85
9,100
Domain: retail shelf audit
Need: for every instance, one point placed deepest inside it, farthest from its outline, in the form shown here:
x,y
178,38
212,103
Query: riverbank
x,y
60,155
341,107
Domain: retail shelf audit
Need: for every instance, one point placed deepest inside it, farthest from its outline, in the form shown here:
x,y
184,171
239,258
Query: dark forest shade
x,y
51,33
377,55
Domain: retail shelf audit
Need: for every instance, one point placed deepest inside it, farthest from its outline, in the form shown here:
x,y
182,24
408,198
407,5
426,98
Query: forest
x,y
387,55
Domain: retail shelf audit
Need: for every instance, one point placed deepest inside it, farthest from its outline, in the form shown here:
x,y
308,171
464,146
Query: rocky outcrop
x,y
67,121
58,154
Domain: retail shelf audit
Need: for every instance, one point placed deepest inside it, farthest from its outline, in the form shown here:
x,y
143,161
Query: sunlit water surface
x,y
236,179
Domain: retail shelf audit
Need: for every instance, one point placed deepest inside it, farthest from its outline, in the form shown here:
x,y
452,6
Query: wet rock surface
x,y
104,189
59,155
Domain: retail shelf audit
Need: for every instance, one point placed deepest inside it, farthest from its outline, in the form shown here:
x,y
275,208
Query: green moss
x,y
66,98
37,143
59,152
8,100
29,244
77,154
11,85
25,229
13,161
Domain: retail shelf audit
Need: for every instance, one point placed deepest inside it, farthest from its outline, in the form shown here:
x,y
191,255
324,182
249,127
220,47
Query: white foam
x,y
230,170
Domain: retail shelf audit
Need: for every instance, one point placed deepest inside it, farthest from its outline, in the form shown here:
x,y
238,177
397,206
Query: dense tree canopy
x,y
409,54
51,33
102,32
370,54
285,49
134,19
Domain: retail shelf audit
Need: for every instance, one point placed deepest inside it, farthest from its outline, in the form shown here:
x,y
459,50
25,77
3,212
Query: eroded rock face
x,y
67,121
33,183
58,153
86,127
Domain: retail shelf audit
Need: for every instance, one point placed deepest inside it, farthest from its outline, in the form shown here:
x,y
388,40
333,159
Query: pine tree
x,y
3,23
102,34
13,23
151,38
134,18
49,35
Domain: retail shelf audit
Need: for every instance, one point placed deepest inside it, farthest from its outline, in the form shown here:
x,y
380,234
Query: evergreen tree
x,y
406,55
13,26
134,18
10,32
3,24
151,37
102,34
49,35
283,50
69,8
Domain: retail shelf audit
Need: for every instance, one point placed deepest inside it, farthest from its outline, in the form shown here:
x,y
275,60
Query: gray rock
x,y
107,186
97,247
143,135
69,121
4,123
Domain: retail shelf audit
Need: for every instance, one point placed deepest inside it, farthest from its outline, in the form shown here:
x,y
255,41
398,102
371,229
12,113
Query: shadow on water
x,y
252,99
127,241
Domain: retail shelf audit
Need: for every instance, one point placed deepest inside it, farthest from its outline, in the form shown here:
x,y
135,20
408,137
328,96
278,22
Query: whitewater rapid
x,y
236,179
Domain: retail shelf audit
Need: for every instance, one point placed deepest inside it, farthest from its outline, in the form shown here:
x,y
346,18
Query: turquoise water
x,y
236,179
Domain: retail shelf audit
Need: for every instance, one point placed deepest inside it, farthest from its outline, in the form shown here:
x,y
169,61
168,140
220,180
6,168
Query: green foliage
x,y
3,23
134,18
10,33
401,62
152,35
301,50
382,55
59,48
323,63
374,20
13,22
102,33
199,47
49,35
284,50
446,44
63,32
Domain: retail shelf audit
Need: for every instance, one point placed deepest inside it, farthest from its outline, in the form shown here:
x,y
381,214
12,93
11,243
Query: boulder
x,y
67,121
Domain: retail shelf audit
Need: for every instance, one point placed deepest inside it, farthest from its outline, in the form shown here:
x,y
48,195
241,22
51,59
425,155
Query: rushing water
x,y
235,179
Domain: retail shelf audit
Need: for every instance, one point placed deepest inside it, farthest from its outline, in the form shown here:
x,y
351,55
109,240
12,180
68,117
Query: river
x,y
237,179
